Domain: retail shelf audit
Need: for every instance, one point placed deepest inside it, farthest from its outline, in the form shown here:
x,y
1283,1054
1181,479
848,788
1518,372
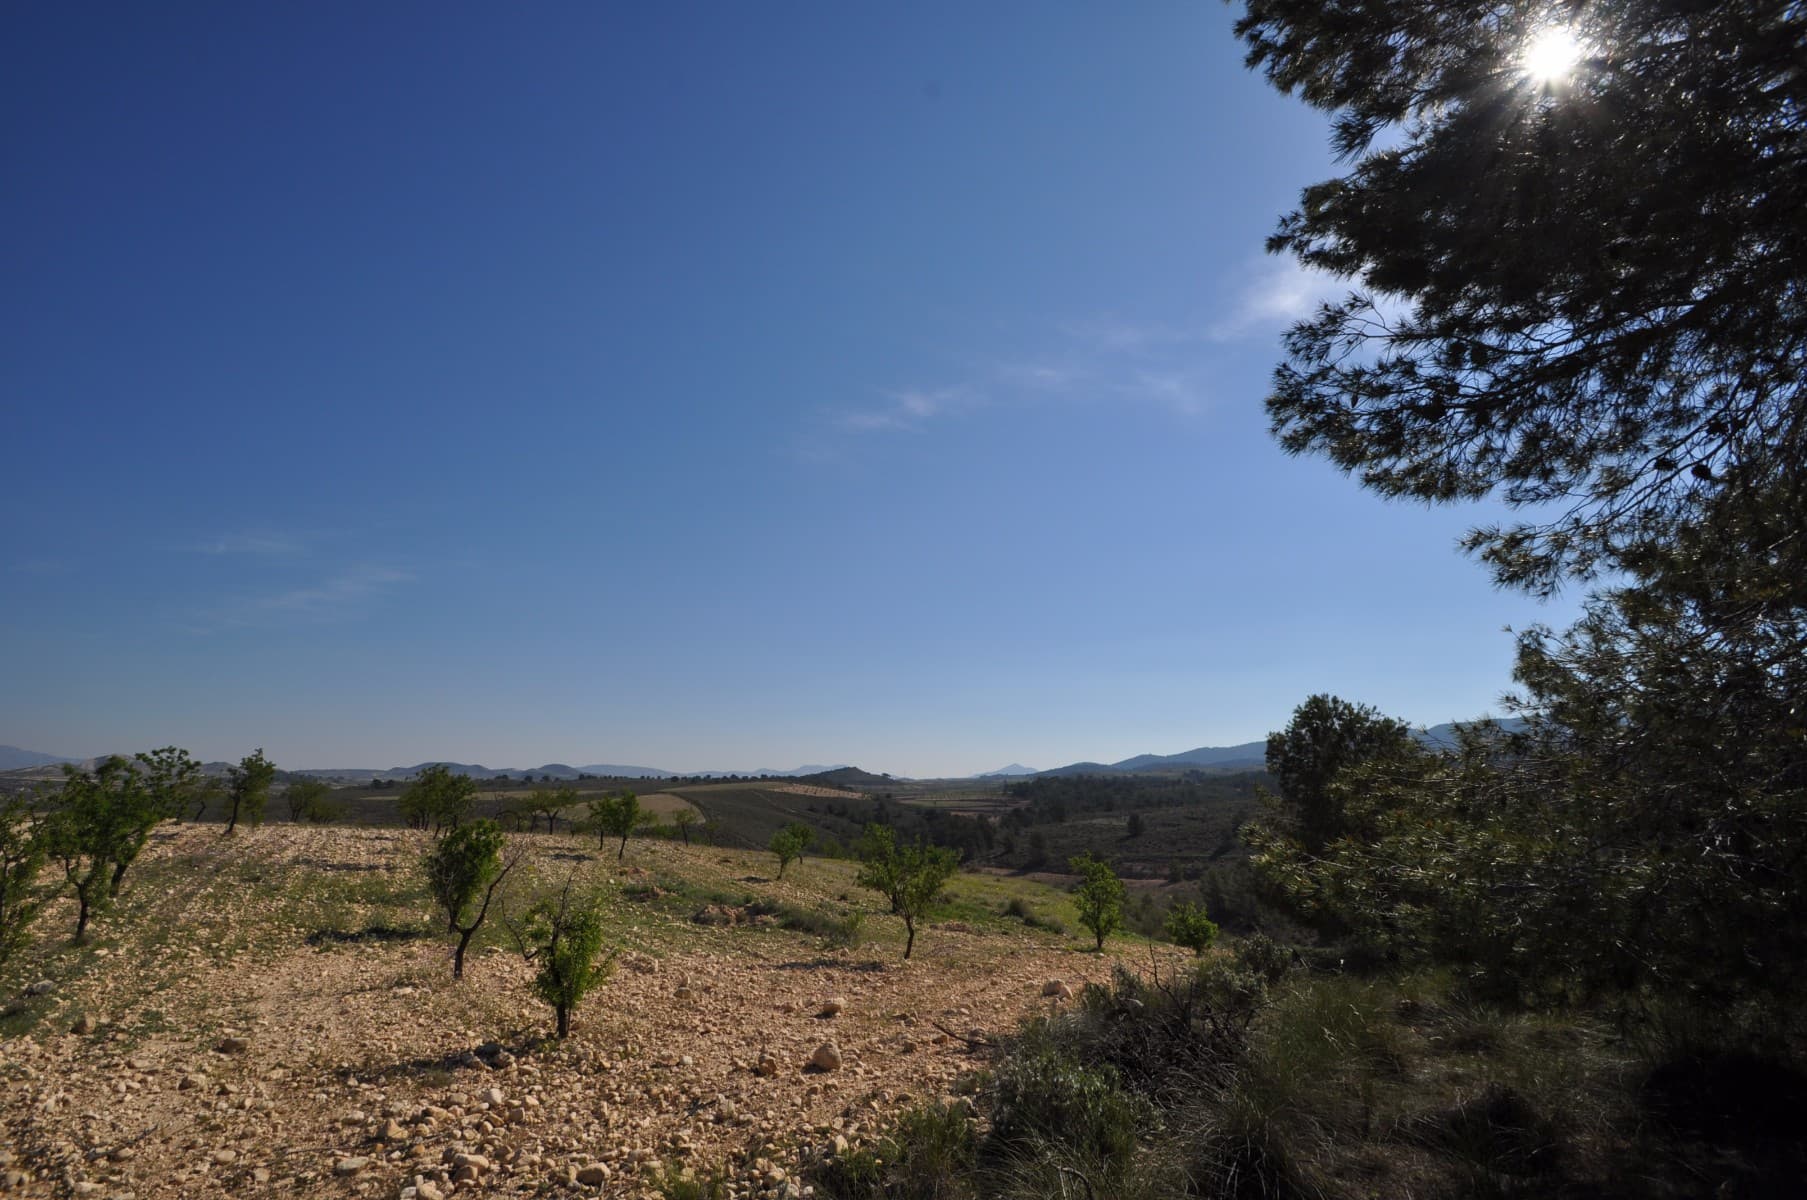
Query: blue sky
x,y
713,386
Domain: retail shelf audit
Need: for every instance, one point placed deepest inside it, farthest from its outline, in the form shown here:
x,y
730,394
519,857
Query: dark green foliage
x,y
1264,958
564,936
1577,320
548,803
1327,735
1046,1095
172,784
464,869
310,800
615,815
437,799
1188,925
1590,323
684,820
22,848
1099,897
910,877
789,844
93,821
248,790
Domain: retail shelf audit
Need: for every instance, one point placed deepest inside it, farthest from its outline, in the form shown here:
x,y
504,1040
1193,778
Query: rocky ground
x,y
275,1013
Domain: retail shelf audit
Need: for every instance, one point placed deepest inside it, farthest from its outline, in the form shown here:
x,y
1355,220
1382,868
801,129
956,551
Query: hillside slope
x,y
275,1011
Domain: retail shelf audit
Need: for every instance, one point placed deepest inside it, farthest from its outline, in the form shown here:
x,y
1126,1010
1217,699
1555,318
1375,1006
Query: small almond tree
x,y
310,800
911,877
683,819
615,815
21,856
89,827
464,870
248,790
1099,896
564,936
789,844
438,799
1189,926
172,780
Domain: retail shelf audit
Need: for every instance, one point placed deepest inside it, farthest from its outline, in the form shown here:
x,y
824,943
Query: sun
x,y
1550,54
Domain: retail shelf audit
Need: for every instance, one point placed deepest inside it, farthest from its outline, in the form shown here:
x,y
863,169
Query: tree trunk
x,y
564,1021
622,853
82,914
464,939
909,942
232,821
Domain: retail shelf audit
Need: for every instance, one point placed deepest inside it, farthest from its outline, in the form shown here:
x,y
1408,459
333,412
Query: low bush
x,y
931,1154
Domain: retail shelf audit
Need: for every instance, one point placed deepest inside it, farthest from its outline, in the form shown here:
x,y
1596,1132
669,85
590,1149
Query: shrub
x,y
1264,958
1188,926
1045,1095
931,1154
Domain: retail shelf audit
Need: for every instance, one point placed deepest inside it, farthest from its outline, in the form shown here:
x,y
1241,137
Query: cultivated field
x,y
274,1013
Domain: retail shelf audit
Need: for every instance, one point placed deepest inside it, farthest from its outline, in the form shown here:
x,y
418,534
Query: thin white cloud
x,y
1276,292
345,595
908,410
1114,335
1180,392
1111,358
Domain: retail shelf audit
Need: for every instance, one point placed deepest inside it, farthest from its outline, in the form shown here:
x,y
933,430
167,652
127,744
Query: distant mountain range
x,y
14,759
1248,756
559,771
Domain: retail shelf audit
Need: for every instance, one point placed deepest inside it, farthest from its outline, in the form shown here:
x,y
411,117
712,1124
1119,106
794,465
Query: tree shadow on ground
x,y
322,864
831,964
380,934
